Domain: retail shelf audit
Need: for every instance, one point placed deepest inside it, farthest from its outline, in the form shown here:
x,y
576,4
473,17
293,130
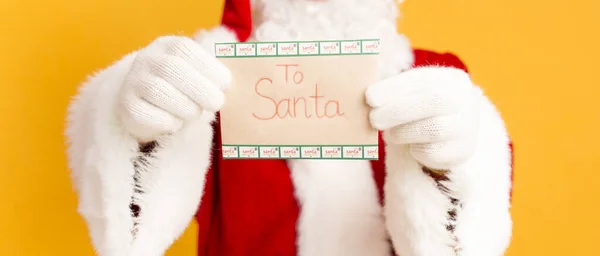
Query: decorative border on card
x,y
357,152
297,48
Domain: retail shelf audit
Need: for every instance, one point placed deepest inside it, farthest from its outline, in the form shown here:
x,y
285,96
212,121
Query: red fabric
x,y
426,58
237,16
249,208
253,209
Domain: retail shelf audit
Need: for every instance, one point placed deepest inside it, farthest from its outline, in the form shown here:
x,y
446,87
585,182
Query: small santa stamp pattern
x,y
309,48
230,152
351,47
290,152
370,46
225,50
353,152
371,152
286,49
310,152
269,152
266,49
332,152
245,50
329,48
249,152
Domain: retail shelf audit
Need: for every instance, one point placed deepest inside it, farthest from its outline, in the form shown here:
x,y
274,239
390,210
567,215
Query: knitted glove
x,y
432,110
171,81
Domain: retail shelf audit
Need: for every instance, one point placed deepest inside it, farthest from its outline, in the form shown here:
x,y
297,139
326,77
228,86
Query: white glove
x,y
172,81
432,110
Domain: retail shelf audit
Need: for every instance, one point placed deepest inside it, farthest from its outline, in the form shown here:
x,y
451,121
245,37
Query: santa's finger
x,y
419,106
442,155
160,93
177,72
146,120
412,81
390,89
200,59
429,130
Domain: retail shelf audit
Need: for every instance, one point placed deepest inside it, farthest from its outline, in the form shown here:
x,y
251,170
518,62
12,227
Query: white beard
x,y
280,20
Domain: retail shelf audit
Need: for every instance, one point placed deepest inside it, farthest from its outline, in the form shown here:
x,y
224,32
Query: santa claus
x,y
144,147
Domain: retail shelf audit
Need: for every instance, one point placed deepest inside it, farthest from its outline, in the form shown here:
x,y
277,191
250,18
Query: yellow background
x,y
537,60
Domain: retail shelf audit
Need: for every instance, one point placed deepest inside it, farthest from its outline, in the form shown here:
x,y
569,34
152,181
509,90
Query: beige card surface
x,y
299,100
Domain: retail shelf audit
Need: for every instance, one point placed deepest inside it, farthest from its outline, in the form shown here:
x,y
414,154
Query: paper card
x,y
299,100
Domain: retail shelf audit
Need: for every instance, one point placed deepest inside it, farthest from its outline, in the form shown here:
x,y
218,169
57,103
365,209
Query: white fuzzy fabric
x,y
102,151
100,156
483,184
323,20
172,183
208,38
340,210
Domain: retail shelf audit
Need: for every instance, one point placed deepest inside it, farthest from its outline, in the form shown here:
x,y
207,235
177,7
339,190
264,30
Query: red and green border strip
x,y
356,152
297,48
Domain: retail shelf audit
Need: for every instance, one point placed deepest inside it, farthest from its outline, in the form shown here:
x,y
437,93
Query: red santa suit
x,y
440,187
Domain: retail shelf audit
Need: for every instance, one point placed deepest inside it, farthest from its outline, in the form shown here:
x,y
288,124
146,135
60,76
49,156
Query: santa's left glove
x,y
434,111
171,82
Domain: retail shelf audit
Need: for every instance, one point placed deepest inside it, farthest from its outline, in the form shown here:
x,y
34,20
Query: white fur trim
x,y
101,156
208,38
340,211
417,211
276,20
484,226
173,184
256,4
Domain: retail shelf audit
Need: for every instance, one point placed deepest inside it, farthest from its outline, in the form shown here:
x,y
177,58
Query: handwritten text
x,y
313,105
